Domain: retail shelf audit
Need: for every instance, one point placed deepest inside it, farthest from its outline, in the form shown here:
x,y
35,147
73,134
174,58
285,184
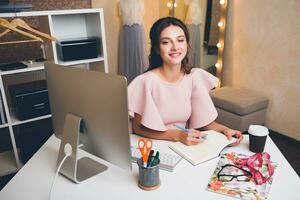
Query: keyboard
x,y
168,161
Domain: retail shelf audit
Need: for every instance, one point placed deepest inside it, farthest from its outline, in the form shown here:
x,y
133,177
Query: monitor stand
x,y
73,168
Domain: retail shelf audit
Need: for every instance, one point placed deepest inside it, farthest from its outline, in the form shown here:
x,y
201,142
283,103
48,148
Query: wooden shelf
x,y
7,163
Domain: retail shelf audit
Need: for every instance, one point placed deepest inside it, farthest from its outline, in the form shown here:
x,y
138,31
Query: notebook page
x,y
210,148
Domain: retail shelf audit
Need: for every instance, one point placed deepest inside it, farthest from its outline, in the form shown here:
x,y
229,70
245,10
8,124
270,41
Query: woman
x,y
171,93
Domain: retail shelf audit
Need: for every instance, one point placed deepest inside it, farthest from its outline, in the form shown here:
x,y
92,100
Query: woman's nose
x,y
174,46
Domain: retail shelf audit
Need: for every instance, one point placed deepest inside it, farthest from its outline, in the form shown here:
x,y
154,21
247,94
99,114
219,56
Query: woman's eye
x,y
164,42
181,40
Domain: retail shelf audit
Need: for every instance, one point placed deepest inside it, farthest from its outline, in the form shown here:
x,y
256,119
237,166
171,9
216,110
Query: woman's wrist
x,y
225,130
176,134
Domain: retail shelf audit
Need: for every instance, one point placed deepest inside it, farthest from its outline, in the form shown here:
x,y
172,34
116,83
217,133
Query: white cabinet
x,y
68,25
86,23
64,25
9,160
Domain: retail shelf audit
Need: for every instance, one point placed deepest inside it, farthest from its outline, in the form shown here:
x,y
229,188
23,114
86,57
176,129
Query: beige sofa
x,y
238,108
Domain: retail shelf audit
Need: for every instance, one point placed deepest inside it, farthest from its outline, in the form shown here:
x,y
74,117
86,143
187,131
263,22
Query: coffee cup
x,y
257,138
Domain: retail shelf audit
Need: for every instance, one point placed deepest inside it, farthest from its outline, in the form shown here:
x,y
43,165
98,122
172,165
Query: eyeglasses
x,y
229,172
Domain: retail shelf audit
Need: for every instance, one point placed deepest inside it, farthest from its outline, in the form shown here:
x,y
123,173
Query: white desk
x,y
33,181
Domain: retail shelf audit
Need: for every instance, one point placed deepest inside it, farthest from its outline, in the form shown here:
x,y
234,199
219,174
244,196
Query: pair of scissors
x,y
145,146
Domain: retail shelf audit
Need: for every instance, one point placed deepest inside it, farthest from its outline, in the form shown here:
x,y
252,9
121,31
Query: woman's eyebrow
x,y
180,36
167,38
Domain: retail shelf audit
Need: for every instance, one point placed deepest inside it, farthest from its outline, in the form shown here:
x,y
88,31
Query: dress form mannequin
x,y
193,21
132,11
194,14
132,49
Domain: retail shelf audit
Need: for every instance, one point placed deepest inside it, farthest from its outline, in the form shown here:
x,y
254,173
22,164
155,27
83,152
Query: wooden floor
x,y
290,148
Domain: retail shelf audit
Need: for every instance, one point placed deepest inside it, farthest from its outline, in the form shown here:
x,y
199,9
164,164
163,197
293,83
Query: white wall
x,y
262,53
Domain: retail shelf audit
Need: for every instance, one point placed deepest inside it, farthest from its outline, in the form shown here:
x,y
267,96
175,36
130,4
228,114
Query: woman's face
x,y
172,45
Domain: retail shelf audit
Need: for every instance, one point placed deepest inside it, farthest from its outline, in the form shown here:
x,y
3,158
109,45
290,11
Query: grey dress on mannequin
x,y
132,49
193,21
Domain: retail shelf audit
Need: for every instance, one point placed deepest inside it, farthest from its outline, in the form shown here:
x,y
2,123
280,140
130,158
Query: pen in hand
x,y
187,130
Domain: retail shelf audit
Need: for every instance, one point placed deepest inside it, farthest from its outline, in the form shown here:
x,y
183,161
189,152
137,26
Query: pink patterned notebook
x,y
237,182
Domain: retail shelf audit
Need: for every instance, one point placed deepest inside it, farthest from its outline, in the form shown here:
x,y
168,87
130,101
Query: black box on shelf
x,y
30,100
31,136
78,49
6,7
12,66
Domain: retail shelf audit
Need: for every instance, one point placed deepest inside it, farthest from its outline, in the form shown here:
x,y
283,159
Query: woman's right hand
x,y
192,138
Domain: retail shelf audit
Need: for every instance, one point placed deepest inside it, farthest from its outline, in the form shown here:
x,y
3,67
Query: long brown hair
x,y
155,59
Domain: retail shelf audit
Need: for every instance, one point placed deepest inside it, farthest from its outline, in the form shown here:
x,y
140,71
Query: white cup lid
x,y
258,130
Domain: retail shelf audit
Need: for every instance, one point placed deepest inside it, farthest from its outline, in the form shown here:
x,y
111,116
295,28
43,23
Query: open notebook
x,y
210,148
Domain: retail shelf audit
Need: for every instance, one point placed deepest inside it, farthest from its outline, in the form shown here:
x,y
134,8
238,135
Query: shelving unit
x,y
15,121
64,25
9,160
70,24
8,163
80,25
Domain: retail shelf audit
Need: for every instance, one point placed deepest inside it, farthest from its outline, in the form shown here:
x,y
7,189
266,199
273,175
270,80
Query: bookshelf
x,y
70,24
9,160
80,23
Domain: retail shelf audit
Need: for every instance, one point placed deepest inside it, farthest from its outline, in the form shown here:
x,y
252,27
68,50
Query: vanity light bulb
x,y
222,2
169,5
220,24
175,5
219,45
218,84
217,65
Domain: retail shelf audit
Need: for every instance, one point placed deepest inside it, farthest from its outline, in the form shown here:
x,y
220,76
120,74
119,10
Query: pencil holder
x,y
148,176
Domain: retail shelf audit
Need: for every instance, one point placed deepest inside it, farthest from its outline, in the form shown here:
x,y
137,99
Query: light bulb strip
x,y
221,44
222,2
220,24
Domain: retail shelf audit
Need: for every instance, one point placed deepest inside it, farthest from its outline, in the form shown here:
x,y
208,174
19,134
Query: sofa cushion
x,y
238,101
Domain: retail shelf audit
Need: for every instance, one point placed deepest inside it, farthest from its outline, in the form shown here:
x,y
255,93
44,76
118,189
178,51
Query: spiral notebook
x,y
210,148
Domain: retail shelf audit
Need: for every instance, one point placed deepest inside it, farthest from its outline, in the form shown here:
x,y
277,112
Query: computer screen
x,y
100,100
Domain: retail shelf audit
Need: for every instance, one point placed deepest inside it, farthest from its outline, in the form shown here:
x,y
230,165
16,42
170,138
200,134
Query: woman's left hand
x,y
233,133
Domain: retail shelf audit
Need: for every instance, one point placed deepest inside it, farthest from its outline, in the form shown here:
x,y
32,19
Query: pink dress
x,y
162,104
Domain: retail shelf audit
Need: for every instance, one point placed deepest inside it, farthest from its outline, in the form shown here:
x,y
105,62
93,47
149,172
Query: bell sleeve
x,y
140,101
203,109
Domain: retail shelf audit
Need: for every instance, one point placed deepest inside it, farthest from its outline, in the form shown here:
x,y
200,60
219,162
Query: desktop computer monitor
x,y
89,108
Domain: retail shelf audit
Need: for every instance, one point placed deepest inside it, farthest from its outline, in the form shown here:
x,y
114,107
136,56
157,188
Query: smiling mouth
x,y
174,55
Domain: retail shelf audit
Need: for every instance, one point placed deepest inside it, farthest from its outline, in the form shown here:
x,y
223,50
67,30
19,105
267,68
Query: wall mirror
x,y
208,16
